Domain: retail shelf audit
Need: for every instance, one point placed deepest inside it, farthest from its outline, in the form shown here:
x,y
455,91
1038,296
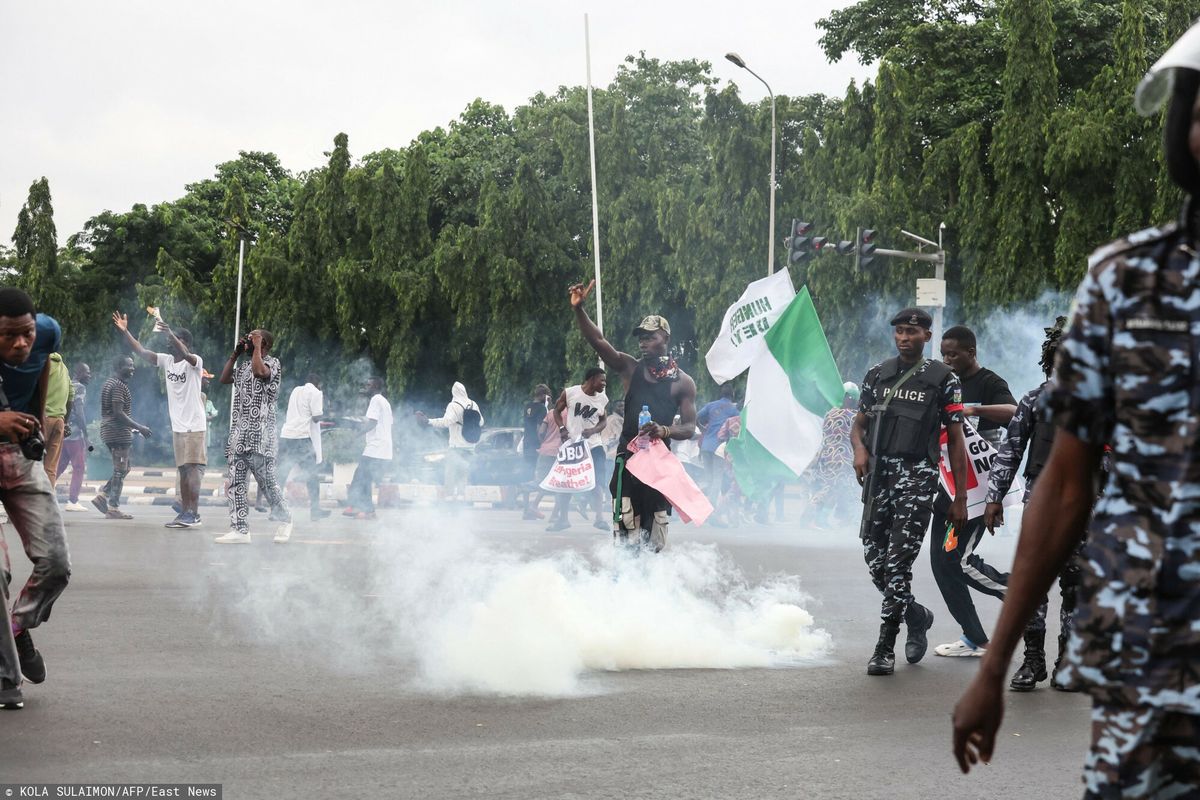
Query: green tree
x,y
1022,219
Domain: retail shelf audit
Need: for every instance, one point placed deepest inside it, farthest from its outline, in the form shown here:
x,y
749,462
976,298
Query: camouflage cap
x,y
913,316
651,324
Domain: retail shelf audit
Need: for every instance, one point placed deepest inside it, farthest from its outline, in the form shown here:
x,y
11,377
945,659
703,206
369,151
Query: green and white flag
x,y
793,383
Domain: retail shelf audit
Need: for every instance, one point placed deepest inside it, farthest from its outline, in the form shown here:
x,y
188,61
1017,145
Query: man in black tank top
x,y
640,514
905,401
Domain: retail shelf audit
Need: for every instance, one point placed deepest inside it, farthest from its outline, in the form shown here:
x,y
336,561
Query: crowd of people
x,y
1108,442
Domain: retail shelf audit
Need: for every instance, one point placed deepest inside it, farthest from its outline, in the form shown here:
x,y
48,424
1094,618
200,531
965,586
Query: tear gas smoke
x,y
475,619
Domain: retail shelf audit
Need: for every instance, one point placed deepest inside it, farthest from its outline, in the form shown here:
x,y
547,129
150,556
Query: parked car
x,y
496,460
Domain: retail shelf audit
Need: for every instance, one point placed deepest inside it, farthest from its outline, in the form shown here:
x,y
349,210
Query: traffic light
x,y
799,241
819,242
844,248
866,247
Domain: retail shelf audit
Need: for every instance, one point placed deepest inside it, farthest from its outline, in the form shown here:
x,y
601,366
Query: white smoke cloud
x,y
475,619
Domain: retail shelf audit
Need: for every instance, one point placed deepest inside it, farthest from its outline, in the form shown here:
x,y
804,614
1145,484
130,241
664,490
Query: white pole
x,y
587,46
237,316
771,221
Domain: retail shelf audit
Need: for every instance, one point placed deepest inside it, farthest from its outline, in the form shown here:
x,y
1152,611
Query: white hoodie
x,y
453,418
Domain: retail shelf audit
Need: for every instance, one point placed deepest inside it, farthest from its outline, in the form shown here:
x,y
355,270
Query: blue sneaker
x,y
191,520
178,522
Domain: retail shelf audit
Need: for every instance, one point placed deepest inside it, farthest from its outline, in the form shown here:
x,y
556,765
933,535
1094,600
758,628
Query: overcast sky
x,y
125,101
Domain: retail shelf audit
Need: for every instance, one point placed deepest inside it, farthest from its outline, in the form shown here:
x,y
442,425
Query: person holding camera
x,y
183,371
251,447
116,431
26,341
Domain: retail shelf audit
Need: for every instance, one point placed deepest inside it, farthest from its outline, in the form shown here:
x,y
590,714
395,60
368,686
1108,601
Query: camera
x,y
244,345
33,446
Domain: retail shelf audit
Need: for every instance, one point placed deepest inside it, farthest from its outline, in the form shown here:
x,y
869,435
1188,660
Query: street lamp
x,y
737,60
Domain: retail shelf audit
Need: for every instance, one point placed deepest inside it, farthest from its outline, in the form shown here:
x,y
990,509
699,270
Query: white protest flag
x,y
742,335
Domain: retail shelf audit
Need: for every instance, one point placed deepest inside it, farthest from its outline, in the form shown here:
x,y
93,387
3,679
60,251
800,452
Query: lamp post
x,y
737,60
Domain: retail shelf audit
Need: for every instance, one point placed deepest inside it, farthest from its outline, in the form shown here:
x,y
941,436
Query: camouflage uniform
x,y
1126,374
1004,470
904,491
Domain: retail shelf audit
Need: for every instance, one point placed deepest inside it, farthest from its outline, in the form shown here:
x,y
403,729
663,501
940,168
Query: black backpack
x,y
472,423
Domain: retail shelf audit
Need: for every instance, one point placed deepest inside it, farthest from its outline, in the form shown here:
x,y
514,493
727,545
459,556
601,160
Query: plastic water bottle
x,y
643,441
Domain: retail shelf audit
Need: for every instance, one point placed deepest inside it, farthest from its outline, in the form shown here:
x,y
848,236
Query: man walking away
x,y
116,431
464,421
59,396
300,440
76,444
377,452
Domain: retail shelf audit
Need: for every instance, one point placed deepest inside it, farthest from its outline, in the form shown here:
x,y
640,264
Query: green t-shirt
x,y
58,388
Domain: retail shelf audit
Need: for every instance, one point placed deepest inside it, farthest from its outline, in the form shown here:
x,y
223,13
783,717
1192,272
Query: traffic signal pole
x,y
938,259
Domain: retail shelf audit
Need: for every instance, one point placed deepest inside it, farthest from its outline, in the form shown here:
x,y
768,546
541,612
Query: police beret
x,y
913,316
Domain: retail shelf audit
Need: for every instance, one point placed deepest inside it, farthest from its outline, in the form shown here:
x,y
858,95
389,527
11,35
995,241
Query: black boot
x,y
1062,651
883,662
919,620
1033,668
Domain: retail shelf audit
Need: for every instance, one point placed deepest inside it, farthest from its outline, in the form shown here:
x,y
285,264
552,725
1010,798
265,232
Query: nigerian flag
x,y
793,382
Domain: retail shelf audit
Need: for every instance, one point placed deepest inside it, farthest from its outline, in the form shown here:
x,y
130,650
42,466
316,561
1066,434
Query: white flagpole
x,y
237,316
587,44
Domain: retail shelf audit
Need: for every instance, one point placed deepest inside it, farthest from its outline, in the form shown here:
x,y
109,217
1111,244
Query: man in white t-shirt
x,y
300,440
579,414
377,452
183,371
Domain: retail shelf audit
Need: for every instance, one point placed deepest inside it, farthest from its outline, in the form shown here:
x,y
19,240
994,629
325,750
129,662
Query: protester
x,y
550,441
59,396
1031,426
905,402
300,440
251,446
710,419
654,382
957,566
27,339
464,421
535,415
1124,374
376,455
116,431
76,444
826,479
182,370
579,414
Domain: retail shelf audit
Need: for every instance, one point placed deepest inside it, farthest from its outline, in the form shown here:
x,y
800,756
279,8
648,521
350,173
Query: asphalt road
x,y
300,670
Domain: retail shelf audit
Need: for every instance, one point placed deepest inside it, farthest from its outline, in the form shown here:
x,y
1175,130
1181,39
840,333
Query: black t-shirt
x,y
535,412
986,388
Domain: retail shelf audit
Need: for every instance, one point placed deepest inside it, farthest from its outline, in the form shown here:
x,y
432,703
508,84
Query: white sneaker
x,y
283,533
959,649
234,537
76,506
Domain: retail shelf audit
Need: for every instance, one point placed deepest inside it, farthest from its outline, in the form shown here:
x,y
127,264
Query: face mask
x,y
661,368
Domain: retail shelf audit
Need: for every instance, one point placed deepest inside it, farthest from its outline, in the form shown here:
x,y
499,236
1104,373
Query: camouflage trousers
x,y
900,512
1068,587
1142,752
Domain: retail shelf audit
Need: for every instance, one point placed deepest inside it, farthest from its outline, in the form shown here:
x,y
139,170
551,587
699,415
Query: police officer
x,y
904,403
1031,428
1126,374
